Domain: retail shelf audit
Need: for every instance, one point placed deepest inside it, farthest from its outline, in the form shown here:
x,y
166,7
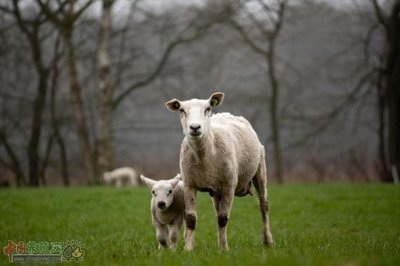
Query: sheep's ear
x,y
216,99
149,182
174,181
173,105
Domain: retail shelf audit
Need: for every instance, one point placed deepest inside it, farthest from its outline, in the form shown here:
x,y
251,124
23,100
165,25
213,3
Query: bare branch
x,y
49,13
78,13
255,47
164,58
379,13
325,120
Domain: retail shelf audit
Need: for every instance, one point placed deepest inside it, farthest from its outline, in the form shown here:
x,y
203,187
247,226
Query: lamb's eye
x,y
182,111
154,193
169,192
208,109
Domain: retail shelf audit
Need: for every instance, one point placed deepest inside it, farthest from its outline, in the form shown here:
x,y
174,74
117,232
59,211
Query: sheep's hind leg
x,y
260,181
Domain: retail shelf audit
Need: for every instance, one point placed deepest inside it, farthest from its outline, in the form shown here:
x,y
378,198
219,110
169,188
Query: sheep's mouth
x,y
195,134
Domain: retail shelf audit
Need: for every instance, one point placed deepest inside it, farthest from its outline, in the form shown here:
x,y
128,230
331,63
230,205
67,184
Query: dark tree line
x,y
93,71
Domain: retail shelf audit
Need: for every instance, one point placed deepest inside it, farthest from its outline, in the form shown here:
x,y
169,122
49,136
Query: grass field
x,y
330,224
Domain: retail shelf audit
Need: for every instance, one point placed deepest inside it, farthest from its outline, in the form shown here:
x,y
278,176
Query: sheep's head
x,y
195,114
162,191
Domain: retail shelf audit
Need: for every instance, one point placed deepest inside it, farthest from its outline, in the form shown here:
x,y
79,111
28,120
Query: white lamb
x,y
221,155
121,177
167,209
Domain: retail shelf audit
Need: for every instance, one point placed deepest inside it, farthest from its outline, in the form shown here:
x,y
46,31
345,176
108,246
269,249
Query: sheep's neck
x,y
202,146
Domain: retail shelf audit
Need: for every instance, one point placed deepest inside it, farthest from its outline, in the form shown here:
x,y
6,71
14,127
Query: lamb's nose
x,y
195,127
161,205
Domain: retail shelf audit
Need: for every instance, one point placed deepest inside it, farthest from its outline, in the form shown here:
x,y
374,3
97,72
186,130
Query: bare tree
x,y
268,26
64,18
388,91
55,120
32,29
104,141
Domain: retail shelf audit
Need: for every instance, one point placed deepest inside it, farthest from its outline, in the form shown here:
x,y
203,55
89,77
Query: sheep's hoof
x,y
268,243
188,248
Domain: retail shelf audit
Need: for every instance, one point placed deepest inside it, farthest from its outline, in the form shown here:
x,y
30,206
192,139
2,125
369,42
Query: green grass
x,y
330,224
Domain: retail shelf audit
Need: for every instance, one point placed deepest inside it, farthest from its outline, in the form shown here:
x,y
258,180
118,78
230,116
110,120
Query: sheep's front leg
x,y
174,232
118,182
223,205
162,235
190,216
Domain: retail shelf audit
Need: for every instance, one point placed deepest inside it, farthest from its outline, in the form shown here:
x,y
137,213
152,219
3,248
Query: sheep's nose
x,y
195,130
161,205
195,127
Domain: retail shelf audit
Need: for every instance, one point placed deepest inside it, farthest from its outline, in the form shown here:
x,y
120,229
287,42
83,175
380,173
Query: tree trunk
x,y
34,139
274,113
104,142
56,128
383,170
15,165
77,103
392,84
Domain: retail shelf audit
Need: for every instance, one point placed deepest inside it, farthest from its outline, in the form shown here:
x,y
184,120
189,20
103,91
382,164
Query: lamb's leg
x,y
174,232
223,205
260,181
162,235
190,216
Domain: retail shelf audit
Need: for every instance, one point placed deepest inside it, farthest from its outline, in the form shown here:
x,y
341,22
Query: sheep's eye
x,y
153,193
208,109
169,192
182,111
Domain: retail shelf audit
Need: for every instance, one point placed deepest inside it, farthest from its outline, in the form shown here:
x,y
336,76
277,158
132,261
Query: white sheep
x,y
220,154
121,176
167,209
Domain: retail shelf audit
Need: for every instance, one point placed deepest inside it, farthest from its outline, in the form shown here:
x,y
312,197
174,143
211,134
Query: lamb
x,y
167,209
121,176
220,154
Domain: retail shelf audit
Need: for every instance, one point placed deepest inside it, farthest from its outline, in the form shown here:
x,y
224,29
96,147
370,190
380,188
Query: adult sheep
x,y
122,176
220,154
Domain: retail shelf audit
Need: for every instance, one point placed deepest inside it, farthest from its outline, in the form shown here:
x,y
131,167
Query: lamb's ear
x,y
173,105
216,98
174,181
149,182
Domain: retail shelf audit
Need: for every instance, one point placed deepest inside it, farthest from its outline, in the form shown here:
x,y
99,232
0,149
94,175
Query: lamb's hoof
x,y
225,248
162,244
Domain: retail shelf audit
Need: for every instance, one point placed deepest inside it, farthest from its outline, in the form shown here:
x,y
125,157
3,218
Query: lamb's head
x,y
107,177
162,191
195,114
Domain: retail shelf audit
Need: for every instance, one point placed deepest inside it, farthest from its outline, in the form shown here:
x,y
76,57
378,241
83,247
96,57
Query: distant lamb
x,y
119,177
167,209
221,155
